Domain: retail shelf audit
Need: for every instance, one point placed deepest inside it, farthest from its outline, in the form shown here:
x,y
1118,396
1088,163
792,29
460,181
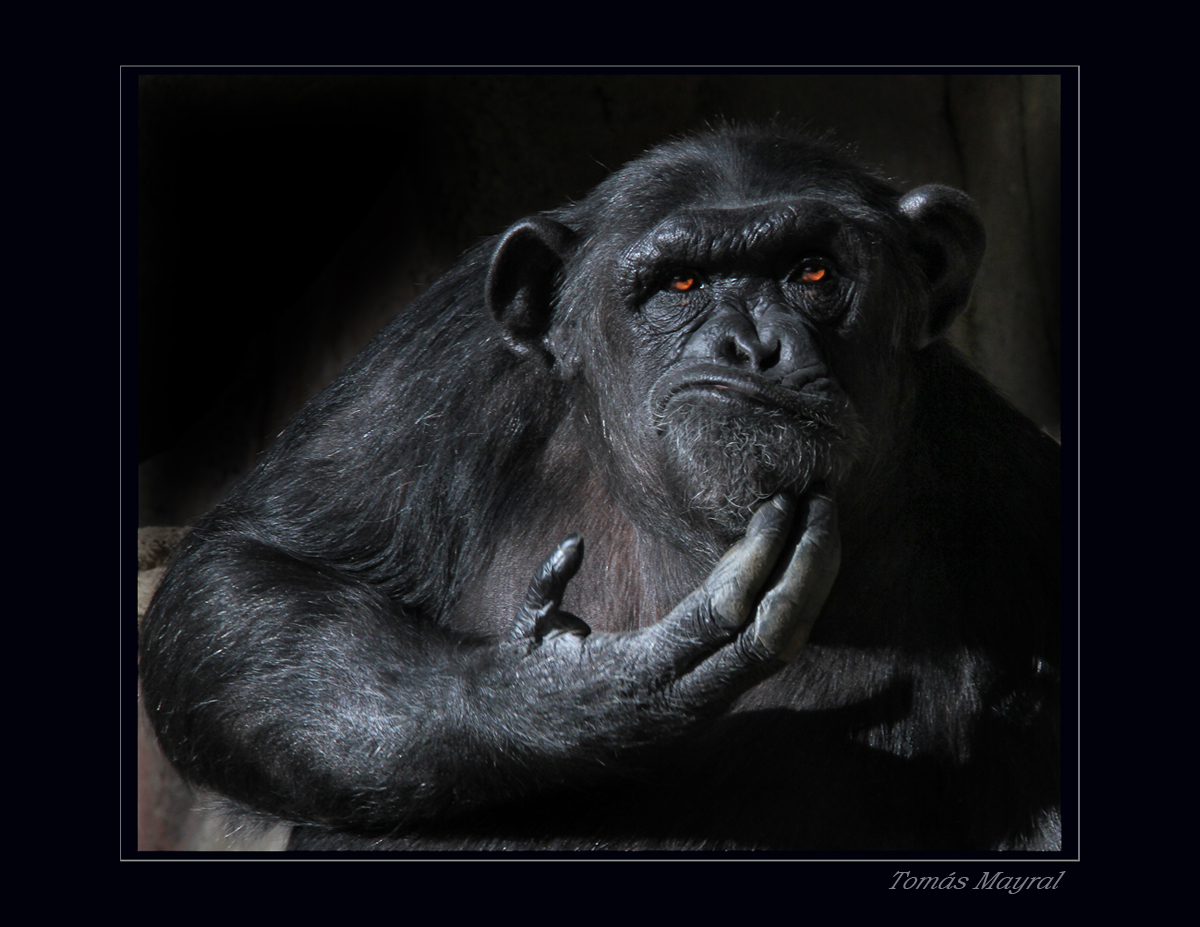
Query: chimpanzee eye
x,y
684,282
812,270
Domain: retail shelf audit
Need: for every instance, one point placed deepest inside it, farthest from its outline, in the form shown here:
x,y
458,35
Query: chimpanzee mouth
x,y
732,438
820,401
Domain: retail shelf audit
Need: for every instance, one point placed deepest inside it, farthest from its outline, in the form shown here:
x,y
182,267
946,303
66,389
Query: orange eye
x,y
682,284
813,274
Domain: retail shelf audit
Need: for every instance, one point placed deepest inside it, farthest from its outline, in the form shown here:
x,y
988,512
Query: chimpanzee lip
x,y
719,380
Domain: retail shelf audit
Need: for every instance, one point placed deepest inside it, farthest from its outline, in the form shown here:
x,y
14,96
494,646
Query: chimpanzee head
x,y
737,314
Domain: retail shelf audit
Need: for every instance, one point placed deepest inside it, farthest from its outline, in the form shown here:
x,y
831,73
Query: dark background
x,y
283,218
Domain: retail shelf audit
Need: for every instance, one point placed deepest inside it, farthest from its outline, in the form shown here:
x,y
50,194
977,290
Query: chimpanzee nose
x,y
773,344
742,345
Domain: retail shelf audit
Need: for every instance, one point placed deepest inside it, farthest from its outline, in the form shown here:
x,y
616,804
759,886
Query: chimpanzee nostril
x,y
732,350
771,354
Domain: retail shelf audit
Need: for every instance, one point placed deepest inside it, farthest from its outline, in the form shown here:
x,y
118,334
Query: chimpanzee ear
x,y
950,241
520,284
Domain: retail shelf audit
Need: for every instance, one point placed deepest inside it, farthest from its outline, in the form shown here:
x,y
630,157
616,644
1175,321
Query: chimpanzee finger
x,y
786,614
725,600
734,582
541,612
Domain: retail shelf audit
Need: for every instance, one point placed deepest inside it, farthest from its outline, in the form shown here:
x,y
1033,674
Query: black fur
x,y
350,640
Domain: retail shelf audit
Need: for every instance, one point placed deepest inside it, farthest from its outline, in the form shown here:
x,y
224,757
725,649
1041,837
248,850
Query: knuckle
x,y
757,653
713,618
725,609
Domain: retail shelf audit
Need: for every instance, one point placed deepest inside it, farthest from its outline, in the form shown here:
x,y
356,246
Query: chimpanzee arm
x,y
300,693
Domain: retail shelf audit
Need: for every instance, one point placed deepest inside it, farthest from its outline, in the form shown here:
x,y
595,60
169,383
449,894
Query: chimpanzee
x,y
820,604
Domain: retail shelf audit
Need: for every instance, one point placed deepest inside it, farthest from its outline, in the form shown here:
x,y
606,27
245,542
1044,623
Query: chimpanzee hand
x,y
750,617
